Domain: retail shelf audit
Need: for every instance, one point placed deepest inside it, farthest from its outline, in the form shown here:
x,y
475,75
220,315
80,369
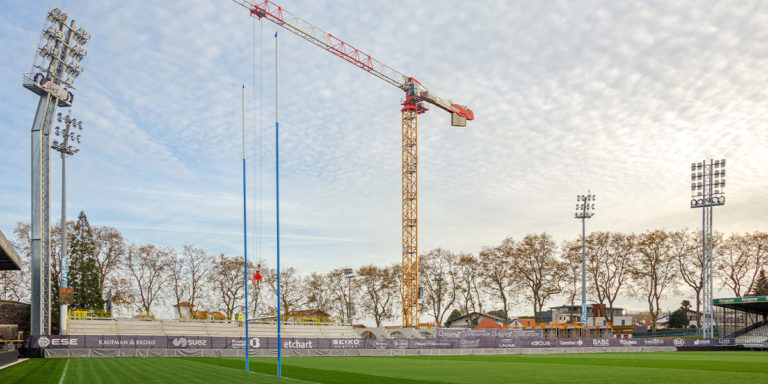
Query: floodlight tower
x,y
65,149
349,274
54,69
707,191
584,211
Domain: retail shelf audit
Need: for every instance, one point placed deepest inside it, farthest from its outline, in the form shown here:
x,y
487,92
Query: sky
x,y
616,98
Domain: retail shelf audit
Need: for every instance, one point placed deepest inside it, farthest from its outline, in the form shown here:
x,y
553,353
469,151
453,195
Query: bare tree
x,y
146,266
438,276
616,269
227,282
740,259
571,273
535,263
177,279
379,290
686,248
496,272
257,291
654,270
468,282
597,246
110,250
291,290
317,293
198,265
341,292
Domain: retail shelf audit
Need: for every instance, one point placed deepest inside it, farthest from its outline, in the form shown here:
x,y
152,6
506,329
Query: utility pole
x,y
707,191
54,69
584,210
65,149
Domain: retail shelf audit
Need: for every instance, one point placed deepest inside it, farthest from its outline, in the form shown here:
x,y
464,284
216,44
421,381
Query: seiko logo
x,y
346,342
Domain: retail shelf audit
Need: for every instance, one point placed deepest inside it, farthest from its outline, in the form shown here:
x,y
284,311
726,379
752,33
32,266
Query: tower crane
x,y
416,96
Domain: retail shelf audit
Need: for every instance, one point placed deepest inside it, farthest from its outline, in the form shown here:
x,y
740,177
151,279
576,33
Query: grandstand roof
x,y
9,259
751,304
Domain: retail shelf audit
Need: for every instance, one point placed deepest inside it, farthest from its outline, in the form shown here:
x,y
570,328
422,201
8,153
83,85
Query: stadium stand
x,y
743,318
204,328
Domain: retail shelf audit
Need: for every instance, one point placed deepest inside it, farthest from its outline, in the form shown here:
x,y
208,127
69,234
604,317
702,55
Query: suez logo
x,y
45,341
183,342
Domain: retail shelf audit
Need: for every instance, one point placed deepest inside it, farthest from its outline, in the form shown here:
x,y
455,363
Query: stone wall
x,y
14,312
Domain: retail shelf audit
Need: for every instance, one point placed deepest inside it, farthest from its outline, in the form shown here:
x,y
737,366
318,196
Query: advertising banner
x,y
483,339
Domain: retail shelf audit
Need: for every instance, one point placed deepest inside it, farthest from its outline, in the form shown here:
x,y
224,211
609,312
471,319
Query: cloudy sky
x,y
613,97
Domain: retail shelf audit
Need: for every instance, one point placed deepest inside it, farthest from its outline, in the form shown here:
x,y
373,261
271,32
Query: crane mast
x,y
416,95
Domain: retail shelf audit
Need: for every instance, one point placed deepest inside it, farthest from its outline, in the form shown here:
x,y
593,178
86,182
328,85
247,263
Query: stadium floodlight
x,y
67,135
584,210
709,192
349,275
59,45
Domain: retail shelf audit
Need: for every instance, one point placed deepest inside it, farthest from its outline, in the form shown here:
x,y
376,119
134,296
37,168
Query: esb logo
x,y
45,341
678,342
254,342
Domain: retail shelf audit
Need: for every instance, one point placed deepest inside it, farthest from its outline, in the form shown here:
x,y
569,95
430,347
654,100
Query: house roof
x,y
9,259
478,314
308,312
487,323
183,304
527,322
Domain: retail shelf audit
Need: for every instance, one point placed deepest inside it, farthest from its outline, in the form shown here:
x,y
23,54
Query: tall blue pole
x,y
277,209
245,247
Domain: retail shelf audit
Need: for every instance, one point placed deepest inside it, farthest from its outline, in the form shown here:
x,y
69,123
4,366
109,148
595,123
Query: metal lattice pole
x,y
707,191
56,65
65,149
584,210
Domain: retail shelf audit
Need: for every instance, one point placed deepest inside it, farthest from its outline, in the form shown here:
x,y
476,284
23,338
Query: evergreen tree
x,y
83,269
455,314
761,285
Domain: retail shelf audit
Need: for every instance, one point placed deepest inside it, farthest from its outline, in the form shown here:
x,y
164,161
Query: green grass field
x,y
662,367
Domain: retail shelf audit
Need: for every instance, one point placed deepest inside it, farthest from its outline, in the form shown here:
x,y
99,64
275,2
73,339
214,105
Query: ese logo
x,y
43,341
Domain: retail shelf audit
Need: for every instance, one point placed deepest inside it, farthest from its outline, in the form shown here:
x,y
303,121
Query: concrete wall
x,y
14,312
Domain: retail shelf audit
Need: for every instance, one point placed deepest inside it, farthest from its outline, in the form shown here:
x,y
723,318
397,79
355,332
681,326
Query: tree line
x,y
534,269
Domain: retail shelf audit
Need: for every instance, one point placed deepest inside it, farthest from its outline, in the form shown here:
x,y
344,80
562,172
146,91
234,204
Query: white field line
x,y
266,375
284,378
64,374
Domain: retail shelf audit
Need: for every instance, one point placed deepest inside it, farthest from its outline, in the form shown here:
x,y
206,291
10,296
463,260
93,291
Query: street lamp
x,y
349,275
54,70
65,149
584,210
707,191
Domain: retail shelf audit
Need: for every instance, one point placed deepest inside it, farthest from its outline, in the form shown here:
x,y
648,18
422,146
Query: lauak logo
x,y
678,342
43,341
180,342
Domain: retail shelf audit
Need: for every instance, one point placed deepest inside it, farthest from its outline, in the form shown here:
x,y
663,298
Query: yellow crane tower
x,y
415,96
